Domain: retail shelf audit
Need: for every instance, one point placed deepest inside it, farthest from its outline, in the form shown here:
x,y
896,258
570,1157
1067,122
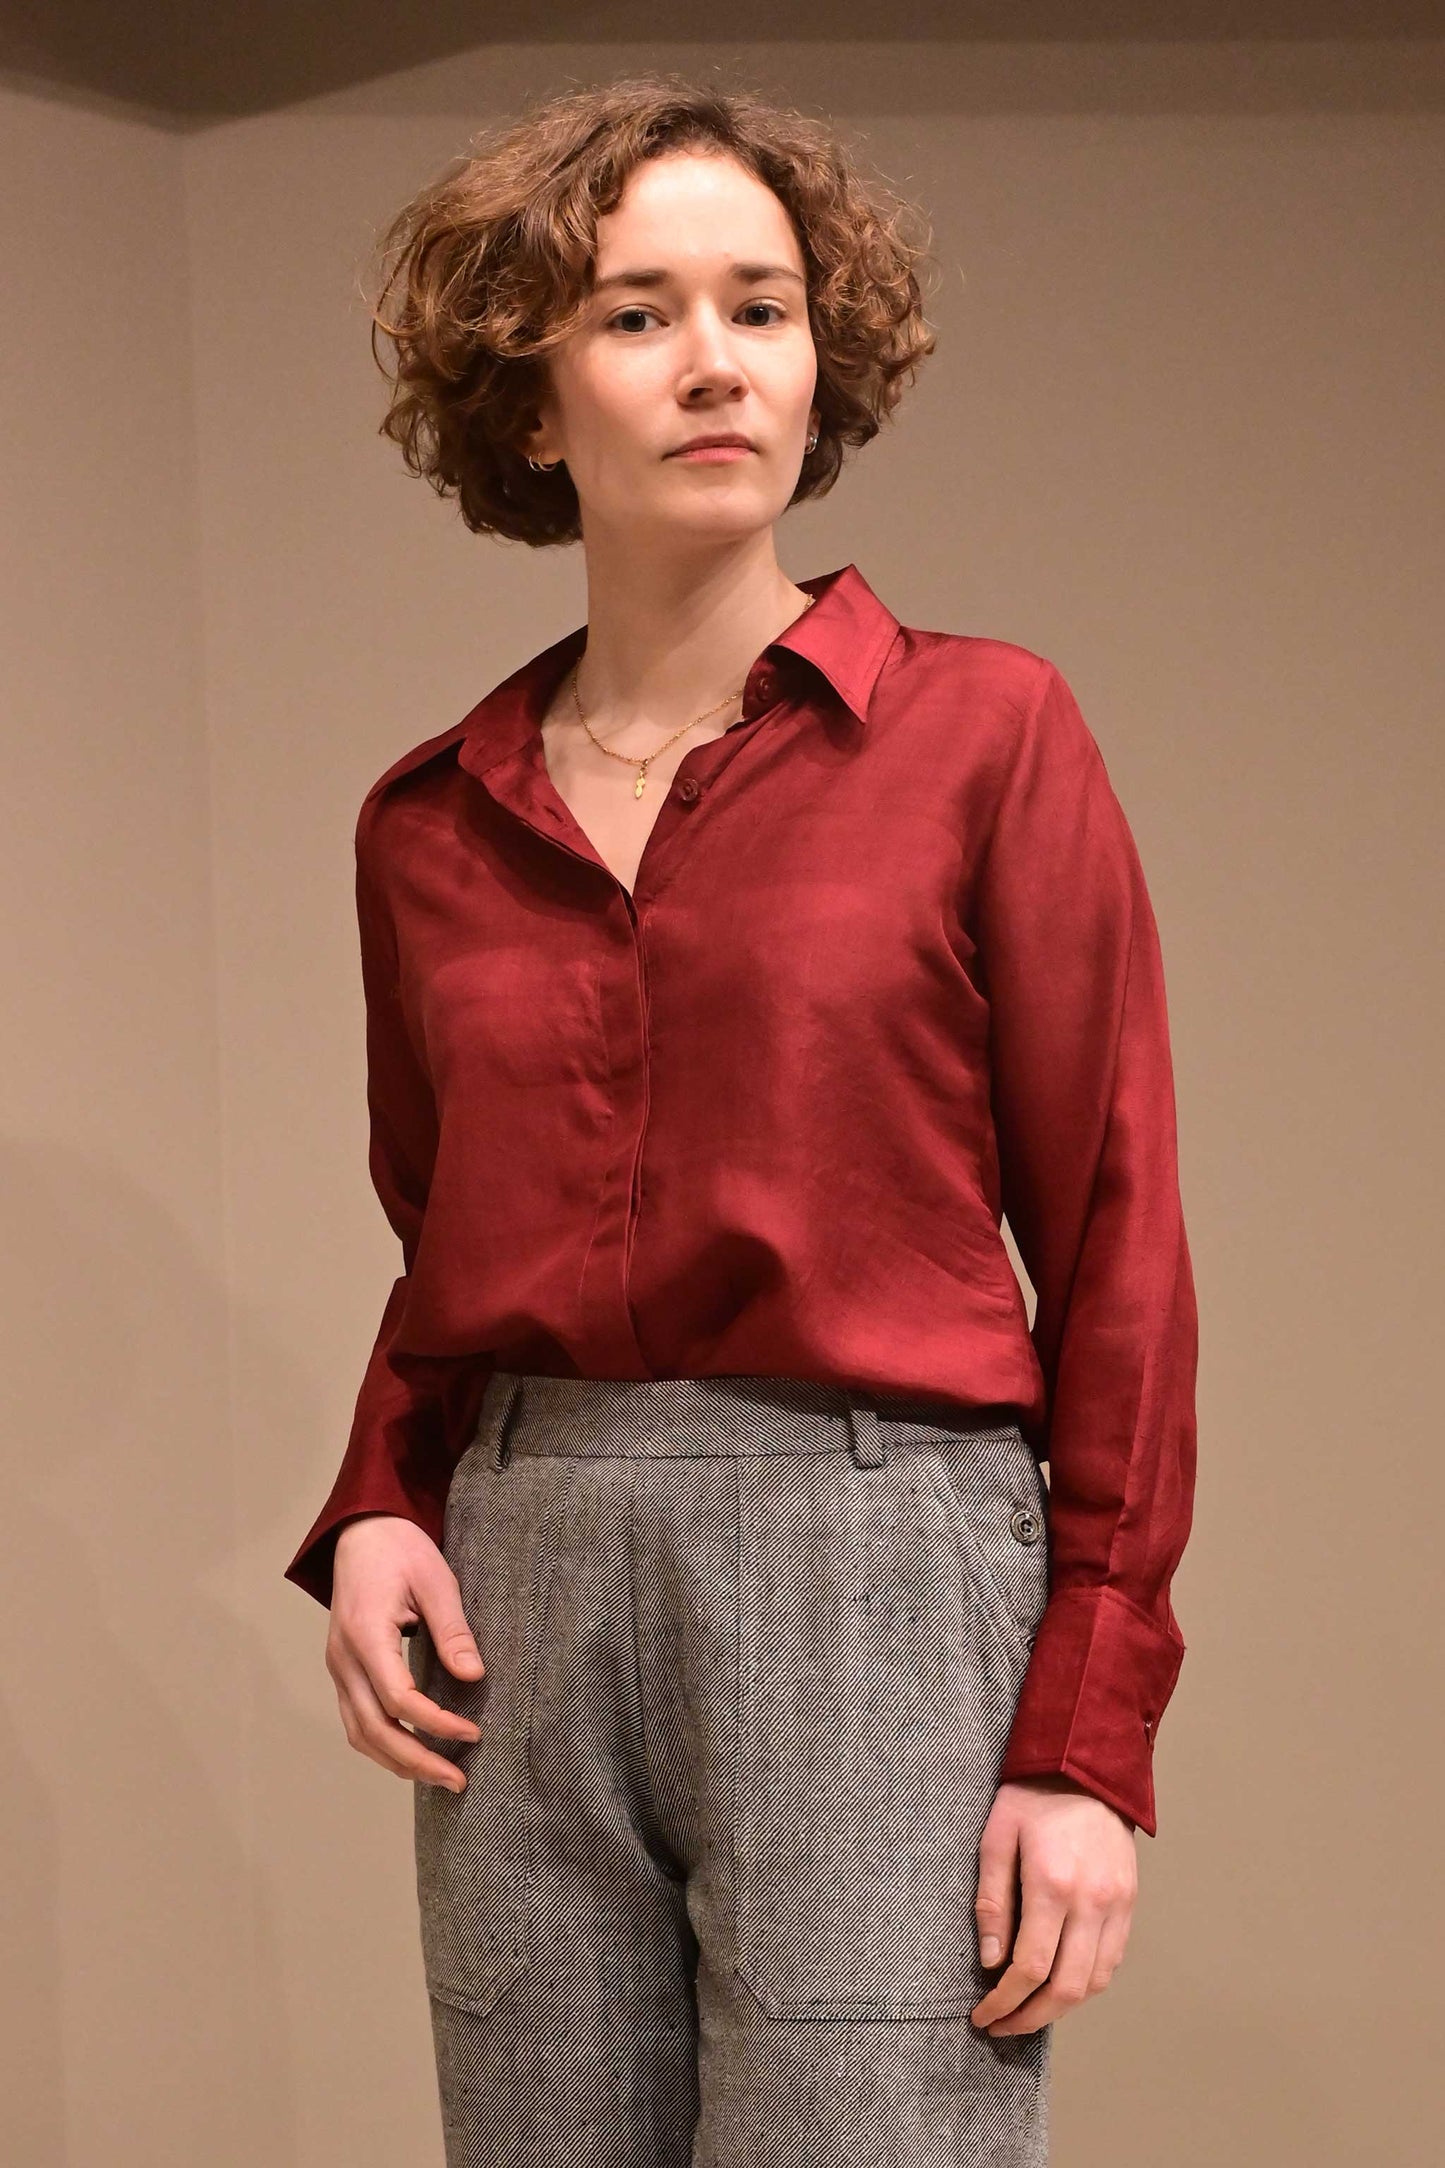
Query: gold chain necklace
x,y
631,758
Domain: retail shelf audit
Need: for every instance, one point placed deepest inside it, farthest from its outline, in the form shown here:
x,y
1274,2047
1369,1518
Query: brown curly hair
x,y
492,265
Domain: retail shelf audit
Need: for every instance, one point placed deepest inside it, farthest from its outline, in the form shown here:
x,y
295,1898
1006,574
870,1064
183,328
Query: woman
x,y
779,1737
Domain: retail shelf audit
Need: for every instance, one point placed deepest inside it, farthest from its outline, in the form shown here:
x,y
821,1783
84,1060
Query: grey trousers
x,y
752,1653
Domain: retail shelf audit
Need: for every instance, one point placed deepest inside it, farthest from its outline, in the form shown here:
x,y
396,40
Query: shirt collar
x,y
846,636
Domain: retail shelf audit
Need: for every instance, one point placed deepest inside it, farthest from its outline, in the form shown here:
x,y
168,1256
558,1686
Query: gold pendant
x,y
637,786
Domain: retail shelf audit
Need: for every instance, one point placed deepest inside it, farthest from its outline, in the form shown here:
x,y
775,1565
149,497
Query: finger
x,y
1113,1941
998,1855
378,1735
440,1603
350,1701
379,1655
1068,1982
1035,1945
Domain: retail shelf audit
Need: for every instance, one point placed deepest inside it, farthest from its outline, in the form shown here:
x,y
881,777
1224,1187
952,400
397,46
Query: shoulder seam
x,y
1023,701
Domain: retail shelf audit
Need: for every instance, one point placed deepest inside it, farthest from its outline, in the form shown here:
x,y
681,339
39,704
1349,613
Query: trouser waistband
x,y
683,1418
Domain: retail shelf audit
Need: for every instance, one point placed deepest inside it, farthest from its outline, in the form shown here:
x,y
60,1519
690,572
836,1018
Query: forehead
x,y
695,205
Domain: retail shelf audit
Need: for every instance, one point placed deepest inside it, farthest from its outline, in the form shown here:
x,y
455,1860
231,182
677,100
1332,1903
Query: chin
x,y
739,511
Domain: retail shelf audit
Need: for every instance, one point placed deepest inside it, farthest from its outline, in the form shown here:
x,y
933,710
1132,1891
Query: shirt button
x,y
1025,1524
688,789
767,685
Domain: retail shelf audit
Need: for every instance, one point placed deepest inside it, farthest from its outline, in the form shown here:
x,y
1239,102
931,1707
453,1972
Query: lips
x,y
703,444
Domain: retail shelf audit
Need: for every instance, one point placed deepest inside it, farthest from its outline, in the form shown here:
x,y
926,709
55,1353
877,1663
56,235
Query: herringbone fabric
x,y
753,1650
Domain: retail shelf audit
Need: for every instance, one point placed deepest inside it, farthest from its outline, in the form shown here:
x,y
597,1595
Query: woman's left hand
x,y
1071,1856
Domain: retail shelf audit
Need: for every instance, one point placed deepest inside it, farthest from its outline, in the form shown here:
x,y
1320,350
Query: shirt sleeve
x,y
397,1459
1085,1120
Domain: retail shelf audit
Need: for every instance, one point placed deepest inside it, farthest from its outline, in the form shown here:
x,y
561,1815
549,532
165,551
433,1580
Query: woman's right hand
x,y
387,1574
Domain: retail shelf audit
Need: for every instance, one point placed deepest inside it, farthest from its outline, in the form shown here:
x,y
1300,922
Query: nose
x,y
712,356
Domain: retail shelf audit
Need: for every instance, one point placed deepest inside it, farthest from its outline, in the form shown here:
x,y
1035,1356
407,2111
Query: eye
x,y
635,309
638,308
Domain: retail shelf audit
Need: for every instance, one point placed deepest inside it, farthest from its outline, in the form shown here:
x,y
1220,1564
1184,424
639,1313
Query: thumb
x,y
993,1906
451,1636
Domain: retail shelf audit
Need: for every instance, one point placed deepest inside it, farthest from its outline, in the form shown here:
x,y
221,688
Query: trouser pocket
x,y
474,1847
877,1682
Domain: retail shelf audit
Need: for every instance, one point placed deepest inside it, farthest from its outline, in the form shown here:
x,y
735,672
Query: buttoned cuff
x,y
1098,1682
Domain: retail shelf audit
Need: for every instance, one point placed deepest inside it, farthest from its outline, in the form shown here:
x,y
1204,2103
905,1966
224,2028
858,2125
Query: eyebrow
x,y
750,273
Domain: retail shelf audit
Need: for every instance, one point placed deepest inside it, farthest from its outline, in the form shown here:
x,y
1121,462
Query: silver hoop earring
x,y
812,444
543,466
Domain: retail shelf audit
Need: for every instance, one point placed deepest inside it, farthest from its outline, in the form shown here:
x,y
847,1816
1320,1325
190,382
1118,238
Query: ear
x,y
530,443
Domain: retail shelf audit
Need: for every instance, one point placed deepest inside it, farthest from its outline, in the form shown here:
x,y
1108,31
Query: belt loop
x,y
866,1441
511,1400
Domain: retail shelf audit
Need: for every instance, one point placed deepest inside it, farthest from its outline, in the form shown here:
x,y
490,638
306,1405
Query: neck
x,y
673,639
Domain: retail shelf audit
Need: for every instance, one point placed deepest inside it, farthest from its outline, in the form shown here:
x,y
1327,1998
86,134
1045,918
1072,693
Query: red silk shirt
x,y
889,972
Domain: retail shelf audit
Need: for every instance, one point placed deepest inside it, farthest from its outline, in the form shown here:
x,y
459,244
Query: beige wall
x,y
1182,435
128,1785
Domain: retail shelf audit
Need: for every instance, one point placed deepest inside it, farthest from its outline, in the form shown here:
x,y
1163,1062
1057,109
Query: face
x,y
697,325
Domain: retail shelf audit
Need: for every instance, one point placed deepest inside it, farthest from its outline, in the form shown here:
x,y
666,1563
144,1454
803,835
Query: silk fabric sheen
x,y
889,971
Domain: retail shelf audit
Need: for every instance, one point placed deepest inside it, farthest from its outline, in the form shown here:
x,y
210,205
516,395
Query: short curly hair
x,y
490,266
